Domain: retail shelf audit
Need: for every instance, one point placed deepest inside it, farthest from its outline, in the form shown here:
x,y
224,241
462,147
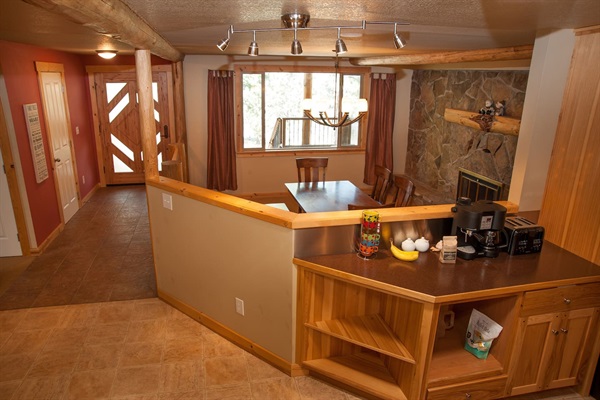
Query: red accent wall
x,y
18,67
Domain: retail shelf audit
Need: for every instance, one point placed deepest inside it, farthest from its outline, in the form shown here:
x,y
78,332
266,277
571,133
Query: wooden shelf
x,y
369,331
505,125
450,361
363,371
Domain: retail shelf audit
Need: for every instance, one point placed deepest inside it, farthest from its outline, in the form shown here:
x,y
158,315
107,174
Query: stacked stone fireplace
x,y
437,148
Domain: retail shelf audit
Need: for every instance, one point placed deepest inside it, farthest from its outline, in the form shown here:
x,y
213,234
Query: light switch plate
x,y
167,201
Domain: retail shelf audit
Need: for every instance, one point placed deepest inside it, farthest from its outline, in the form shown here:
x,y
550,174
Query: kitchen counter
x,y
428,280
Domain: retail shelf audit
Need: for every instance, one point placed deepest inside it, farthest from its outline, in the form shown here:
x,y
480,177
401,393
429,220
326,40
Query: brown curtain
x,y
380,128
221,166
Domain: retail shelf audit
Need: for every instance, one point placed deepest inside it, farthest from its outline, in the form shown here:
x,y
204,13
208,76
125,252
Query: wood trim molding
x,y
13,184
449,57
283,365
115,18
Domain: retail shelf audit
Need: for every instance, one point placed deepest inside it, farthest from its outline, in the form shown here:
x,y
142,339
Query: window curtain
x,y
380,128
221,162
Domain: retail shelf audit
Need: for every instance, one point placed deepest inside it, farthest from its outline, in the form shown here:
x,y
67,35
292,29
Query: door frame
x,y
91,71
40,68
12,164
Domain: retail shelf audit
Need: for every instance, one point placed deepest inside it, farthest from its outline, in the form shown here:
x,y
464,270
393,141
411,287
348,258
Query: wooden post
x,y
143,70
180,126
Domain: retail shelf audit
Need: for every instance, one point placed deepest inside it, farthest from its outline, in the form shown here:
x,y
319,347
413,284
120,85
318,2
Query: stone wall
x,y
437,148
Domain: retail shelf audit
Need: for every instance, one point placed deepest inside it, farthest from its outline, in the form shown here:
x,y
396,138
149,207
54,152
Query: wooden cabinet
x,y
555,338
380,338
370,340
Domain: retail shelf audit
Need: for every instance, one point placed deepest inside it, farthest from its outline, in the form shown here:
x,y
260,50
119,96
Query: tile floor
x,y
136,349
103,254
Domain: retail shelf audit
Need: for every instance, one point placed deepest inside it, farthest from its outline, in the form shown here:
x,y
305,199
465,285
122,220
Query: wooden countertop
x,y
428,280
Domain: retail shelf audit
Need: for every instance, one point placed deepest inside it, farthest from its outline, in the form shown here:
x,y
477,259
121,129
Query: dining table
x,y
329,196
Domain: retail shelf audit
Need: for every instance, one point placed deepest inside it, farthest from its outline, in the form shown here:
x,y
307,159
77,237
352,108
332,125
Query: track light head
x,y
224,43
296,47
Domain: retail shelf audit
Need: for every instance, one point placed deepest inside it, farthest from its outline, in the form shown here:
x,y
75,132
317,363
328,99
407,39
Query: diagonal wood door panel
x,y
119,124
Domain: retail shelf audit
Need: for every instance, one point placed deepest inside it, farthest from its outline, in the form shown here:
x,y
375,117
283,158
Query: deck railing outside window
x,y
302,133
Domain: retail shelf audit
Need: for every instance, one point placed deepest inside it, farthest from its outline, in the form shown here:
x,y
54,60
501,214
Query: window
x,y
271,116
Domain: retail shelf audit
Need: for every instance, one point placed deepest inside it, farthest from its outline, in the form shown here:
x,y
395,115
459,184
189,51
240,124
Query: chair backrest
x,y
382,184
404,189
314,168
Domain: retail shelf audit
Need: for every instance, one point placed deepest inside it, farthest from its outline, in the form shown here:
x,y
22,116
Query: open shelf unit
x,y
368,331
360,337
451,363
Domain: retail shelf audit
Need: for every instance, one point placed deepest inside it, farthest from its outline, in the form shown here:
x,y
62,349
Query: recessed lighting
x,y
107,54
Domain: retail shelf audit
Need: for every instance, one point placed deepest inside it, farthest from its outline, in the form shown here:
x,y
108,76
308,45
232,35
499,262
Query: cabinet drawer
x,y
561,299
483,389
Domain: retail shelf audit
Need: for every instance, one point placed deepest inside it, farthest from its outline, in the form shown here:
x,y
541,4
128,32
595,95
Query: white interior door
x,y
9,239
60,140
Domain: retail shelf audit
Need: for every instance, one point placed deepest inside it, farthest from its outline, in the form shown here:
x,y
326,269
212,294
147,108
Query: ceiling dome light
x,y
107,54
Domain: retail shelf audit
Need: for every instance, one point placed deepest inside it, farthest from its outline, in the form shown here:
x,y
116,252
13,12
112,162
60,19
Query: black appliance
x,y
523,236
478,227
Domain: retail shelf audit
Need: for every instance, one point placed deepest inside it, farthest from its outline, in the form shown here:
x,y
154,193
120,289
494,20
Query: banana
x,y
403,255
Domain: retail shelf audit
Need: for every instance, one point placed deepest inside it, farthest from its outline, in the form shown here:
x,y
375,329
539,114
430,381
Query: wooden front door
x,y
116,96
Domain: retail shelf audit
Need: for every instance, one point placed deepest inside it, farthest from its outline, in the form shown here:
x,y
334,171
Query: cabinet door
x,y
572,339
532,351
549,350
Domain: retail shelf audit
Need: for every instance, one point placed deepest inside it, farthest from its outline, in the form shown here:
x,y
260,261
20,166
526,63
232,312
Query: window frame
x,y
241,69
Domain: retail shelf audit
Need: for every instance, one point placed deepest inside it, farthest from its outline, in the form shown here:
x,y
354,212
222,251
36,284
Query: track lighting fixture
x,y
340,46
253,48
225,42
298,22
398,41
296,46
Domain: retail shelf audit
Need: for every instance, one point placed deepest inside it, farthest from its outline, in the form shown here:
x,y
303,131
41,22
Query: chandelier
x,y
341,117
343,109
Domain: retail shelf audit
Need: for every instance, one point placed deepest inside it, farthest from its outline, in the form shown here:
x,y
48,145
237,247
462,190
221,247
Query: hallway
x,y
103,254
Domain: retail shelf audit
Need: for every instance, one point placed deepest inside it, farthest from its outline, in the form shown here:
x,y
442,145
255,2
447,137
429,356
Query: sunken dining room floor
x,y
103,254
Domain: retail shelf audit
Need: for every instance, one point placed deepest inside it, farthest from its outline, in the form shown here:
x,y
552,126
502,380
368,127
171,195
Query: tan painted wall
x,y
207,256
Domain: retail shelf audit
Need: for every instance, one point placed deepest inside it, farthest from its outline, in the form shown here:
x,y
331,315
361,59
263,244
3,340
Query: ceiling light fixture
x,y
296,46
107,54
225,42
253,48
298,22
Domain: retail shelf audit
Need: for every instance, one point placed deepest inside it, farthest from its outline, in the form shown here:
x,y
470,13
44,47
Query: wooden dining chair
x,y
382,183
402,189
314,168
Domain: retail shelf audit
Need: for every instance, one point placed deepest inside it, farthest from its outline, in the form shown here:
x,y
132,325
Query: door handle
x,y
57,160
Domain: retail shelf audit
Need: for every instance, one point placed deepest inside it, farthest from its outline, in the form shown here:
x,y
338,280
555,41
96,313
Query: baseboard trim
x,y
283,365
40,249
90,194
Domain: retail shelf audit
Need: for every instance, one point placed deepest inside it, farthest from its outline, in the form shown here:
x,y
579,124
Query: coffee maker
x,y
478,227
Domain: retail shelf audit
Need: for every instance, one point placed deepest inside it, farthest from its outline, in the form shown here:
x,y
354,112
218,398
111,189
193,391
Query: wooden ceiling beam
x,y
115,19
450,57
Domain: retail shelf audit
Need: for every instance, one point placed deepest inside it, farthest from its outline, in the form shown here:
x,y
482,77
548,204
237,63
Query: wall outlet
x,y
77,130
167,201
239,306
